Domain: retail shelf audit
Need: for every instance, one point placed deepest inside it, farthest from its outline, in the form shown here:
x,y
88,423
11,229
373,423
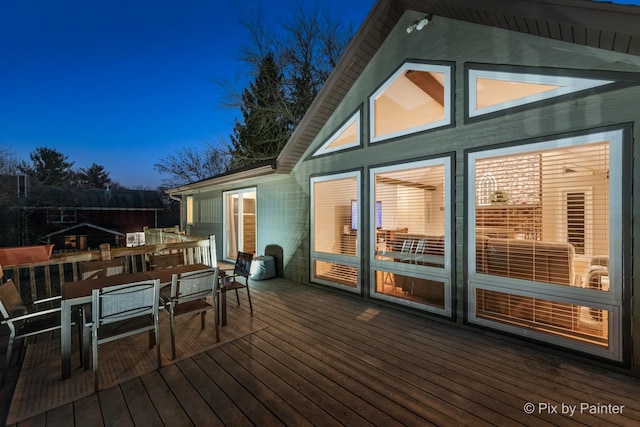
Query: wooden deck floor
x,y
330,359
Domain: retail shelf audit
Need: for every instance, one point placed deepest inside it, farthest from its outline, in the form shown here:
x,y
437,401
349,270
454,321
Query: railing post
x,y
105,251
212,250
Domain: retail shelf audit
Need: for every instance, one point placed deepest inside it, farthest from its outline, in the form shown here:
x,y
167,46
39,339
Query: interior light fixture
x,y
420,23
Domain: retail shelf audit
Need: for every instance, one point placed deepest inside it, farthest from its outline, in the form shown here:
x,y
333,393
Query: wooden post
x,y
105,251
212,251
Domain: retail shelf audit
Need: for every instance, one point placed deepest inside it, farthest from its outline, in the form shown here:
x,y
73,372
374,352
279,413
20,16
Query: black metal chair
x,y
241,270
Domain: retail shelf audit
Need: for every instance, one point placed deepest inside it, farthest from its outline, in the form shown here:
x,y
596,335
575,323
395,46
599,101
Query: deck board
x,y
140,405
87,412
327,358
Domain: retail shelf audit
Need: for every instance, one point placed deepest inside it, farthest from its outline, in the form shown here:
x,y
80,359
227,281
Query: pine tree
x,y
49,167
265,125
93,177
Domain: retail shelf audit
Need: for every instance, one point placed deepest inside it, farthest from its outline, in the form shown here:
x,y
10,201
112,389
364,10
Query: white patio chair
x,y
188,295
24,321
122,311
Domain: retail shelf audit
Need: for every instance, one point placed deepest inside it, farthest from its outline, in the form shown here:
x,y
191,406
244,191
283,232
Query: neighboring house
x,y
472,161
82,219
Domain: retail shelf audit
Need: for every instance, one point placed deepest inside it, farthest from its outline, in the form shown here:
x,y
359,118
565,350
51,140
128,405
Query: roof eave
x,y
205,185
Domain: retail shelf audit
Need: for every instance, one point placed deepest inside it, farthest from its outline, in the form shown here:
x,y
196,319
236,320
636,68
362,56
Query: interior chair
x,y
25,321
598,269
419,250
124,310
241,270
406,252
188,295
101,268
174,259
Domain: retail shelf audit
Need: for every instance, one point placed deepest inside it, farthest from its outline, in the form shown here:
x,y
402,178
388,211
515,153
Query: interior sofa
x,y
535,260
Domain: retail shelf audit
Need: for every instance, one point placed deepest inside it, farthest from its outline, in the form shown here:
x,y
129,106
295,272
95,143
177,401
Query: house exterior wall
x,y
283,201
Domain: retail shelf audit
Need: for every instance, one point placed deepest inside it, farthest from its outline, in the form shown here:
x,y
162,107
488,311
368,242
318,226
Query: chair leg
x,y
84,346
202,320
173,337
7,362
84,335
157,337
238,298
216,322
95,359
249,298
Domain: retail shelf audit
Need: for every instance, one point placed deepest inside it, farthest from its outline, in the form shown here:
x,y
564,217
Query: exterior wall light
x,y
419,24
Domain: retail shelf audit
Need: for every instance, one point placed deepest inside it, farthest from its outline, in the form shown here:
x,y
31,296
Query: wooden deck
x,y
329,359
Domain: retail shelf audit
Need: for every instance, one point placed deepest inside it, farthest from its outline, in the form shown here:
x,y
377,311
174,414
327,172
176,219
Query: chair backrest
x,y
420,246
243,264
193,285
407,246
174,259
10,300
121,302
101,268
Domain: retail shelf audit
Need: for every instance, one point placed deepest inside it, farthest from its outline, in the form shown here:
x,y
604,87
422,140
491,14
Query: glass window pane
x,y
421,290
336,273
333,230
346,137
412,216
576,322
557,197
417,97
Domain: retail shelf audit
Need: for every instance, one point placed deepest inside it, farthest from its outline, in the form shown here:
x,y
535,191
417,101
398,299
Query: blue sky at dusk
x,y
125,83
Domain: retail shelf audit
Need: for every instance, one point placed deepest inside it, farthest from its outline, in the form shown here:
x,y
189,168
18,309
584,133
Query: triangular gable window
x,y
415,98
491,91
346,137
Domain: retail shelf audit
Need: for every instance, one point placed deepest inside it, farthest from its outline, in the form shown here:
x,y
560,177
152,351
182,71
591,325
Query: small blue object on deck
x,y
262,267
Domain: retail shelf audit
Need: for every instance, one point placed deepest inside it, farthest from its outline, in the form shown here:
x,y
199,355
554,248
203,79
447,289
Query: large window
x,y
335,226
240,225
410,229
542,259
417,97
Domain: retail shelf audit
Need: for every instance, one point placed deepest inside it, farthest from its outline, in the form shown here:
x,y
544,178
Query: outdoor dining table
x,y
79,292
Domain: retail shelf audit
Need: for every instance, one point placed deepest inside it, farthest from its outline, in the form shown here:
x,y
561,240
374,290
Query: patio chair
x,y
22,321
241,270
124,310
93,270
101,268
188,295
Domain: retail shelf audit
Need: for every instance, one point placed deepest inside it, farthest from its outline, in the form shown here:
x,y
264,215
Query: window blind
x,y
558,198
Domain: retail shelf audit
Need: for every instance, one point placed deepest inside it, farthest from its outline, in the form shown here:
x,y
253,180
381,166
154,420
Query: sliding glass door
x,y
240,225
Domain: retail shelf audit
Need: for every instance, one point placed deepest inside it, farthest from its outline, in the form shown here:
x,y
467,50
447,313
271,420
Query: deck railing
x,y
153,236
44,279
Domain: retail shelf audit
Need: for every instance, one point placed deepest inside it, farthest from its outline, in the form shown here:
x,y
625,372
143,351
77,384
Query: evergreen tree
x,y
288,78
265,126
93,177
49,167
